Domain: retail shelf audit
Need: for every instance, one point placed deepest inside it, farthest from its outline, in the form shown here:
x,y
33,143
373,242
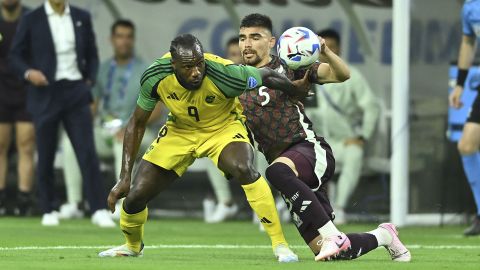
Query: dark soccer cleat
x,y
474,229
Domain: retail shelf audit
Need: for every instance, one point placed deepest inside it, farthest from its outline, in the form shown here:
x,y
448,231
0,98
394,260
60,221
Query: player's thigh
x,y
148,181
301,159
172,150
236,159
470,141
5,136
25,136
231,151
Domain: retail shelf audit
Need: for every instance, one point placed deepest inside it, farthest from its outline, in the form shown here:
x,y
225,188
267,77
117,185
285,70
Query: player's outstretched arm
x,y
333,69
131,142
276,80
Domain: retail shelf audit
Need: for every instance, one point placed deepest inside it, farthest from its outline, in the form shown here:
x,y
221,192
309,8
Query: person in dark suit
x,y
54,50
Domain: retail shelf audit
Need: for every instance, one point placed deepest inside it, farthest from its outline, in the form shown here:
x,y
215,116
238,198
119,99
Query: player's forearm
x,y
278,81
467,52
339,71
134,132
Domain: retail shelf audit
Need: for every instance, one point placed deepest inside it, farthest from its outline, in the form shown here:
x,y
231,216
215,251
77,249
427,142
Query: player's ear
x,y
272,42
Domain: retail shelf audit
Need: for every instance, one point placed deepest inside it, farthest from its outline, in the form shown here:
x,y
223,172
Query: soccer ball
x,y
298,48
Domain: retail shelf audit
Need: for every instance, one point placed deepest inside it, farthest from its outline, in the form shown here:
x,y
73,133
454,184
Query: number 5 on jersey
x,y
265,94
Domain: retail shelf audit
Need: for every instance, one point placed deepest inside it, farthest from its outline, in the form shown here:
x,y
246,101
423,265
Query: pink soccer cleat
x,y
332,246
396,248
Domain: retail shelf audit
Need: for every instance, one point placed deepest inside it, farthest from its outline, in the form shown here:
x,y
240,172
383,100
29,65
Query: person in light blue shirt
x,y
469,144
115,95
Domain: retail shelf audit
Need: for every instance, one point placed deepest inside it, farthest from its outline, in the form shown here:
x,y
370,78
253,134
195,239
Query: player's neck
x,y
122,60
264,62
11,15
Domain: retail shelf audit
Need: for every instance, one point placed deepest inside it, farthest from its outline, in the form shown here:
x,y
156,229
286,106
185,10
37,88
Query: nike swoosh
x,y
341,244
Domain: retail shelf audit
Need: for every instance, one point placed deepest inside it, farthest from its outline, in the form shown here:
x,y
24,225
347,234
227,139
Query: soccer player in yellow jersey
x,y
206,120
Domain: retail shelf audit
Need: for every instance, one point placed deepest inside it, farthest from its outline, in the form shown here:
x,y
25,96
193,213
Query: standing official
x,y
54,50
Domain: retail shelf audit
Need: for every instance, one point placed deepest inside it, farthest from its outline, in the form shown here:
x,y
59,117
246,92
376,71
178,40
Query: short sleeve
x,y
466,26
233,79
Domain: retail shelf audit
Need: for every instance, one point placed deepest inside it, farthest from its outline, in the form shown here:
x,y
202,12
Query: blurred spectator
x,y
13,114
225,207
469,144
233,50
346,115
116,93
54,49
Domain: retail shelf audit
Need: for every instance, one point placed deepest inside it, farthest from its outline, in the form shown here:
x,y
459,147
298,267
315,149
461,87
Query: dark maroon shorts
x,y
315,165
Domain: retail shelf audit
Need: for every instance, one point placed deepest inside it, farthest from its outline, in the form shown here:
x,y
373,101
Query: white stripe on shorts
x,y
320,153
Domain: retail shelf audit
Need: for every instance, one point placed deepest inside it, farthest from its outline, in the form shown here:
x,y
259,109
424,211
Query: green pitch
x,y
191,244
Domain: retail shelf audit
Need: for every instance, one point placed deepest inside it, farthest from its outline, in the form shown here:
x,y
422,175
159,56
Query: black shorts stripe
x,y
474,116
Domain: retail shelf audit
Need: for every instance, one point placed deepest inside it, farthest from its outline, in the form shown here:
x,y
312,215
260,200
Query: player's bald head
x,y
186,46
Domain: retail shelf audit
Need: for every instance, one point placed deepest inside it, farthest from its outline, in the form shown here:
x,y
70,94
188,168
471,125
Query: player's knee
x,y
272,172
134,203
244,171
26,147
277,173
466,148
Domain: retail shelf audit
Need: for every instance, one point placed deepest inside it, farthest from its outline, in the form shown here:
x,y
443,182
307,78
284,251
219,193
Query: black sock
x,y
307,212
362,243
23,197
24,203
3,202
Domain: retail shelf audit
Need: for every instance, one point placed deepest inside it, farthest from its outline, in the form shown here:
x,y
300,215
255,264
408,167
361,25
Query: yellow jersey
x,y
208,108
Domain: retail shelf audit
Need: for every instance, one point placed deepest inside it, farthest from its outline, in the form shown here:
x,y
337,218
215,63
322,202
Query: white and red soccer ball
x,y
298,47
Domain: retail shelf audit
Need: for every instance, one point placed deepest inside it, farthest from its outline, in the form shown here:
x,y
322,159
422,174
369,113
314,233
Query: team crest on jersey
x,y
209,99
252,82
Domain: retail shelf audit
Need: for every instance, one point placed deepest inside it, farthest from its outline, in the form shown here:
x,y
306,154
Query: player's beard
x,y
187,85
251,61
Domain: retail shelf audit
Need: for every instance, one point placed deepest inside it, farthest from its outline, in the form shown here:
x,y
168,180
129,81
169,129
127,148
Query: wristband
x,y
462,76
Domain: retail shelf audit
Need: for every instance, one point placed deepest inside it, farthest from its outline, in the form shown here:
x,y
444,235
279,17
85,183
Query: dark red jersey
x,y
275,119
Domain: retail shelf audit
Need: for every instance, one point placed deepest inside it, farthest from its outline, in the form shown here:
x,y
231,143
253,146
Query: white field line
x,y
216,247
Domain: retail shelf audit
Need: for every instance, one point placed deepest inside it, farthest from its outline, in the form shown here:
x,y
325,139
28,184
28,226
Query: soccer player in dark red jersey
x,y
300,161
